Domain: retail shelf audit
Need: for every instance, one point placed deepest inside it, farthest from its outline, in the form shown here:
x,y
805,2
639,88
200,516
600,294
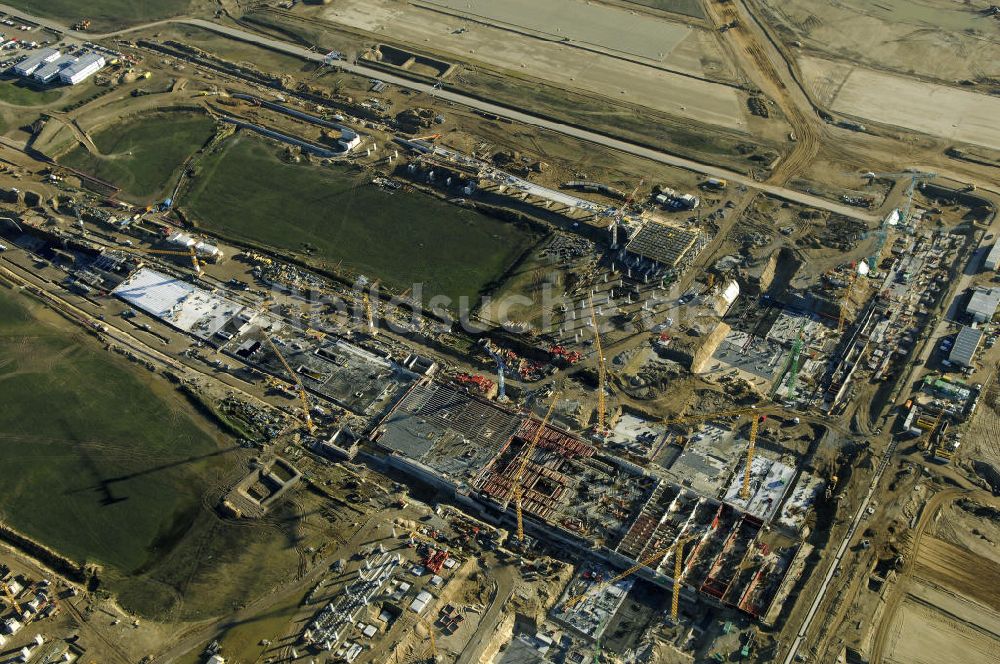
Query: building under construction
x,y
577,496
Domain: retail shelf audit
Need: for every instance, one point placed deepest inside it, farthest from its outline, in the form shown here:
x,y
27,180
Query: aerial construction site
x,y
638,331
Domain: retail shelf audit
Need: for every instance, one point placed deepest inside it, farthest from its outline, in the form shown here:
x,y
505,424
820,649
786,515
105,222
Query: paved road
x,y
484,106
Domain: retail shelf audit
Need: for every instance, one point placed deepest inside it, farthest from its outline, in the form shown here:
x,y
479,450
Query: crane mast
x,y
501,369
601,374
675,600
195,263
659,554
525,460
306,417
745,490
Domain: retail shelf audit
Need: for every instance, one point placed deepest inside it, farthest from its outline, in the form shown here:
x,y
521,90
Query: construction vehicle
x,y
571,356
525,460
480,384
602,374
82,24
709,283
306,417
436,560
751,447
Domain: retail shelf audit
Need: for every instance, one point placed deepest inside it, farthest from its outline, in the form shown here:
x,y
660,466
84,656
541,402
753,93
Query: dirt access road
x,y
768,69
896,594
487,107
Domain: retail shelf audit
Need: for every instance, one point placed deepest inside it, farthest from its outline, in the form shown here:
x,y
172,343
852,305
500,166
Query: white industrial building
x,y
983,304
28,66
349,139
85,66
966,344
49,64
47,72
993,258
203,249
178,303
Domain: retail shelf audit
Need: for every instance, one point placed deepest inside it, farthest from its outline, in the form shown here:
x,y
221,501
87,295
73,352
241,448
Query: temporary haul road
x,y
484,106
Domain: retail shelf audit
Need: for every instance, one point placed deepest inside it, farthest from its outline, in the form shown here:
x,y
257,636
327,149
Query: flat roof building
x,y
993,258
966,344
664,243
86,65
47,72
983,304
28,66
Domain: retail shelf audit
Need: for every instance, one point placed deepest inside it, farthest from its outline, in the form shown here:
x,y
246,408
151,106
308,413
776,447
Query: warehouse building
x,y
49,64
49,71
983,304
86,66
31,63
966,344
992,260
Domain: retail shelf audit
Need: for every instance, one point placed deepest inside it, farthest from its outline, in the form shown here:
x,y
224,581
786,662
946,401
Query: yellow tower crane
x,y
602,373
306,417
195,263
701,417
704,417
675,601
15,607
369,311
751,446
599,588
525,460
430,634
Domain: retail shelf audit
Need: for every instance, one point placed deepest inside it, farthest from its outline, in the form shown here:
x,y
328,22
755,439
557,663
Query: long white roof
x,y
177,302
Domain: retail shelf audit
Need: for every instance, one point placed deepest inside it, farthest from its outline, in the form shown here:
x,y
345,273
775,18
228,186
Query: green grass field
x,y
105,14
17,93
98,465
106,464
246,192
144,155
